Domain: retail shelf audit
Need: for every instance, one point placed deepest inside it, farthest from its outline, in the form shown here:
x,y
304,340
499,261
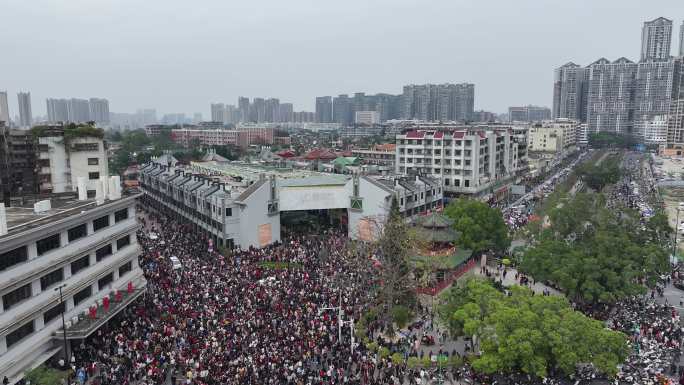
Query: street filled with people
x,y
270,316
518,214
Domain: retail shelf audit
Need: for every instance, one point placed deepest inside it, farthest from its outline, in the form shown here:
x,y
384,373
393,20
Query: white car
x,y
176,263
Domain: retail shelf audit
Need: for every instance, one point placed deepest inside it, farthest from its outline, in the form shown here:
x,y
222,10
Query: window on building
x,y
123,242
104,281
19,334
101,223
93,175
13,257
77,232
46,244
229,212
125,268
17,295
90,194
93,161
103,252
120,215
82,295
51,278
53,312
457,182
446,181
467,182
80,264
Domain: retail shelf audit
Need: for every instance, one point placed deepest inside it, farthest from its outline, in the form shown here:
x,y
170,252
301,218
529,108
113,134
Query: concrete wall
x,y
376,205
79,162
255,214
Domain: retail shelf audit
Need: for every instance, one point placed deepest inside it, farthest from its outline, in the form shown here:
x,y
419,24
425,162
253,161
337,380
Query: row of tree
x,y
598,255
522,332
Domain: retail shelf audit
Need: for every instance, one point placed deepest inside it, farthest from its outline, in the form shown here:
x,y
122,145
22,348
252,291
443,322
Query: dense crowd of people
x,y
258,316
519,213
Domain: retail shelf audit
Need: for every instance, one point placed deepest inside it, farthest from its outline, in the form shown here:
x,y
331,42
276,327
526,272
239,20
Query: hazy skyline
x,y
177,56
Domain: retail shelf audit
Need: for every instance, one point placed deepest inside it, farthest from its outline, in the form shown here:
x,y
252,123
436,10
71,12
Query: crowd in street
x,y
518,214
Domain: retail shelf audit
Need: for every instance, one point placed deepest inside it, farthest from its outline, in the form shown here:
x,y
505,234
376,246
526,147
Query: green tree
x,y
597,177
533,334
42,375
395,273
479,226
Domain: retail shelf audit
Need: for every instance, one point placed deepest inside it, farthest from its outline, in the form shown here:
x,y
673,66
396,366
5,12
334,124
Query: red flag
x,y
105,303
93,312
117,296
130,287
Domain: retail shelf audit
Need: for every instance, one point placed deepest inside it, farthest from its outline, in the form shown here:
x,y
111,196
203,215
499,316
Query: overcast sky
x,y
179,56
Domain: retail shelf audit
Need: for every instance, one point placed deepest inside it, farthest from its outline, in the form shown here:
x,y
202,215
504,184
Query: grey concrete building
x,y
324,109
25,114
609,100
570,92
58,110
99,110
656,38
342,110
656,84
528,114
681,40
438,102
4,109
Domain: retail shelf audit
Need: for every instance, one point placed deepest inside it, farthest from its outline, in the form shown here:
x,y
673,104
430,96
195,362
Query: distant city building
x,y
79,110
304,117
197,118
218,112
324,109
25,114
557,136
675,123
177,118
438,102
656,38
211,135
570,92
380,154
528,114
681,40
58,110
611,88
286,112
4,109
342,110
99,110
654,131
483,116
272,110
367,117
243,106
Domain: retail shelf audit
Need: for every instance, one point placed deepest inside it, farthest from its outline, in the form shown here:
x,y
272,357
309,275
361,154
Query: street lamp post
x,y
674,244
61,301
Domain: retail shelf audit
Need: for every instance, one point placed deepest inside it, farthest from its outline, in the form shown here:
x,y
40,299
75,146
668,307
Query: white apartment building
x,y
474,161
655,130
62,162
367,117
88,250
554,136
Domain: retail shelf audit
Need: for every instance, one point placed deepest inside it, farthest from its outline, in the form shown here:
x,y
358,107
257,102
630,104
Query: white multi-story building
x,y
367,117
84,251
556,136
655,130
474,161
62,162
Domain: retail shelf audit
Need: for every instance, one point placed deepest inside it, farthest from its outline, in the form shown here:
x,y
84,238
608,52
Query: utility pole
x,y
61,301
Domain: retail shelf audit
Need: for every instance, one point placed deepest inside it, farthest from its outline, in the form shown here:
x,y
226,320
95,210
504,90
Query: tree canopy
x,y
610,139
595,254
597,177
479,226
530,333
